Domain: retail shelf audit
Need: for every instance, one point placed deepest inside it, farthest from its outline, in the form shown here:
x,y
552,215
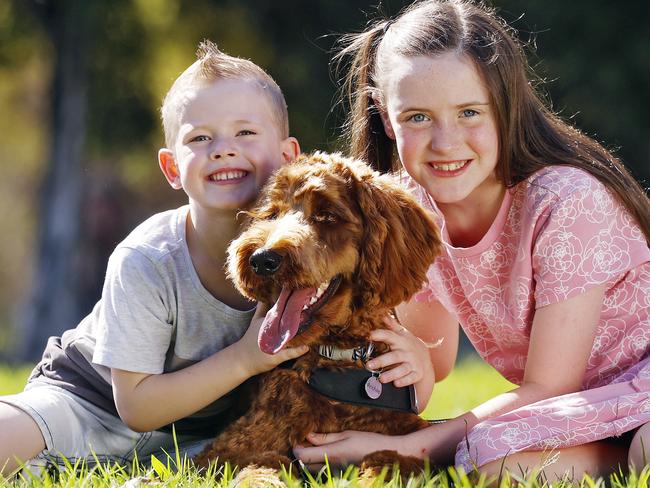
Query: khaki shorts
x,y
75,429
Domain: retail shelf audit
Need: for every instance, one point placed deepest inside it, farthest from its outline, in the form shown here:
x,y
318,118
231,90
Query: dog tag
x,y
373,387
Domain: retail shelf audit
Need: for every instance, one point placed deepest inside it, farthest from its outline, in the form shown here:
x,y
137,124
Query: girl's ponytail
x,y
364,130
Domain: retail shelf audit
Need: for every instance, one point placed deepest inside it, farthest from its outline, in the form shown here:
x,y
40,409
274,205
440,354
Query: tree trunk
x,y
52,305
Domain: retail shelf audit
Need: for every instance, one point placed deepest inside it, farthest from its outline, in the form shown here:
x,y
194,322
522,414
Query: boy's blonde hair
x,y
211,65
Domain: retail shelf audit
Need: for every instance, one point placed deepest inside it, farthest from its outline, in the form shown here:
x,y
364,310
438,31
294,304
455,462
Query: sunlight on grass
x,y
180,473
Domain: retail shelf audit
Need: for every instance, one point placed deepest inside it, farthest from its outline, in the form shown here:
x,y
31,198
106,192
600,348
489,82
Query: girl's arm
x,y
441,339
420,354
561,339
147,402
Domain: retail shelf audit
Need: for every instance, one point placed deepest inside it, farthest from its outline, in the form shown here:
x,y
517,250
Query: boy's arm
x,y
147,402
133,337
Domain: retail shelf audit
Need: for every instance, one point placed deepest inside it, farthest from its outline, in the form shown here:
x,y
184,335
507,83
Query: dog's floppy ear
x,y
400,242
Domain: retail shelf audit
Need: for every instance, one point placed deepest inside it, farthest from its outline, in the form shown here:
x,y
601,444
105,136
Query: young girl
x,y
546,268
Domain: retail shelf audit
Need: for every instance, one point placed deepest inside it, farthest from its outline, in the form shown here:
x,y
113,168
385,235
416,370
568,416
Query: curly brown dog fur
x,y
323,219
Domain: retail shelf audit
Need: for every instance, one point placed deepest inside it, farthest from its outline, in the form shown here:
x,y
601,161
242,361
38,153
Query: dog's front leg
x,y
280,417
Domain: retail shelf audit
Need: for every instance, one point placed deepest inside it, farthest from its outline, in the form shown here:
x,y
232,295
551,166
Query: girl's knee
x,y
596,459
525,463
639,453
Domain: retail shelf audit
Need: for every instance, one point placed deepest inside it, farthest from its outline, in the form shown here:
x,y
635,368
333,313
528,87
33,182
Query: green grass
x,y
13,379
468,385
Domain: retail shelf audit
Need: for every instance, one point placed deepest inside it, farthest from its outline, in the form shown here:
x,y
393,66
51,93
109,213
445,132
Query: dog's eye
x,y
324,218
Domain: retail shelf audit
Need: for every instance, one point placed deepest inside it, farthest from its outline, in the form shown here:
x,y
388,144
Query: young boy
x,y
169,341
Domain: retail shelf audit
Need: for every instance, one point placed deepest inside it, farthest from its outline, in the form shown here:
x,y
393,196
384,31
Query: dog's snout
x,y
265,262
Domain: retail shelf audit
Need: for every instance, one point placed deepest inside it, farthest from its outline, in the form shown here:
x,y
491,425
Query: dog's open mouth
x,y
293,311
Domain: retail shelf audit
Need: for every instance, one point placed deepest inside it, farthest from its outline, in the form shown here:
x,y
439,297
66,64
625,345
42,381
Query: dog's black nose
x,y
265,262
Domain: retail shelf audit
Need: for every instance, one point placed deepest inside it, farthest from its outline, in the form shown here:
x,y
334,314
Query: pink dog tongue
x,y
282,321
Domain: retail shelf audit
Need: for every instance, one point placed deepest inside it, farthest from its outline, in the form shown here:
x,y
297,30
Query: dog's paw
x,y
374,463
255,476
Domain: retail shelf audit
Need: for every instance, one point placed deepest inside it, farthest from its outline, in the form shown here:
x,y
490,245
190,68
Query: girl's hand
x,y
254,360
342,448
408,359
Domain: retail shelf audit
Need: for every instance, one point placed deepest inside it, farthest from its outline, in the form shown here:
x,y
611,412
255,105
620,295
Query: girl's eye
x,y
419,118
245,132
468,112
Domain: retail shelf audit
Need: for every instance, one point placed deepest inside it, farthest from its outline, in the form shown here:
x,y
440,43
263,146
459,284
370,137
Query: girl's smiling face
x,y
440,114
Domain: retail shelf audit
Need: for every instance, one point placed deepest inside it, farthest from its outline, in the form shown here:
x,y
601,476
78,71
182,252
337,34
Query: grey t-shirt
x,y
154,316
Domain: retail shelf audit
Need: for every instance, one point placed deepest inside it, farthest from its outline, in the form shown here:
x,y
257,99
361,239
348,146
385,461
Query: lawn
x,y
12,379
469,384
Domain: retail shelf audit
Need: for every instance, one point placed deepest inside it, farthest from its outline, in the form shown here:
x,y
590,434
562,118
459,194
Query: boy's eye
x,y
200,138
468,112
245,132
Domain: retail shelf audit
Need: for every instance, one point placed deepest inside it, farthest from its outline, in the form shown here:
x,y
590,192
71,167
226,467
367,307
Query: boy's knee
x,y
20,438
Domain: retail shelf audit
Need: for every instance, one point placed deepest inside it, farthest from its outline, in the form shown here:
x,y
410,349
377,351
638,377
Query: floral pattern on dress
x,y
557,234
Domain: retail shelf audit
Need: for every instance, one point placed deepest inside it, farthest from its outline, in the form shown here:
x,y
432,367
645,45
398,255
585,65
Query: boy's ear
x,y
388,127
290,149
168,166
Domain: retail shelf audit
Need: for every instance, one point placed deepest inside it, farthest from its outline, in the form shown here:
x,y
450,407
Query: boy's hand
x,y
408,358
254,360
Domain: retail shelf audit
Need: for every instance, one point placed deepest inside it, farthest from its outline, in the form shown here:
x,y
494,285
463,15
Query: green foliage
x,y
590,55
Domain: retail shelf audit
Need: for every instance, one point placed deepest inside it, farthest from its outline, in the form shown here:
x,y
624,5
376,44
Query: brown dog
x,y
335,246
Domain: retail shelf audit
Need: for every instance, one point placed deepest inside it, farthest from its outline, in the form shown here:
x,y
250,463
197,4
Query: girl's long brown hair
x,y
531,136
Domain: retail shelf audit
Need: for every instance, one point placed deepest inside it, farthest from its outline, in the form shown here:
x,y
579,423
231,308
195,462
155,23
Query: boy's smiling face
x,y
228,144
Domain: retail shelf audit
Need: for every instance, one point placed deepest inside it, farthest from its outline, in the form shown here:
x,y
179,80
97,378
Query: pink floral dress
x,y
557,234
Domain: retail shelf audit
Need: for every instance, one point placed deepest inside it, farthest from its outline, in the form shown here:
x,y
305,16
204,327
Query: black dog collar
x,y
349,386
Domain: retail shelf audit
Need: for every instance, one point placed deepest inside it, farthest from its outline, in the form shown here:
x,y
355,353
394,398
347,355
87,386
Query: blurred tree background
x,y
81,82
